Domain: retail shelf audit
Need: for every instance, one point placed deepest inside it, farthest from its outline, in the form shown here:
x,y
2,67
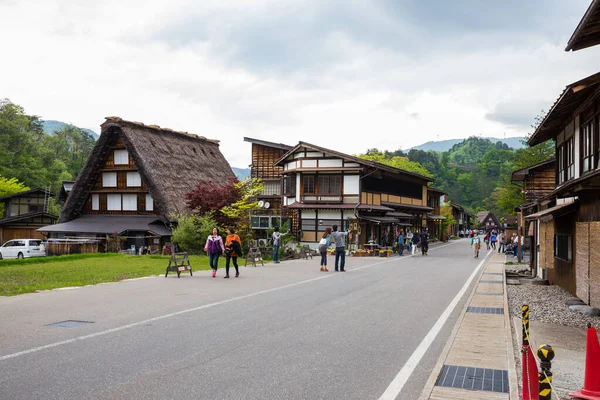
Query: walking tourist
x,y
415,243
214,247
323,246
476,244
233,249
340,251
424,242
277,243
486,239
493,239
409,238
401,243
501,242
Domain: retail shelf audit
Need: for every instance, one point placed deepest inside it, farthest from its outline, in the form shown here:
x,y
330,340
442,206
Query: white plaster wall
x,y
313,154
308,214
329,214
351,184
352,165
309,163
298,188
348,214
291,165
331,163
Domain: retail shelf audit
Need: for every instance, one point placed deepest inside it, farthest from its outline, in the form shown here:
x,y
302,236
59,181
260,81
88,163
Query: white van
x,y
23,248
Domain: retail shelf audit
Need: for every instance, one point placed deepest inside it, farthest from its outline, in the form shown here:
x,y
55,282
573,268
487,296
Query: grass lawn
x,y
29,275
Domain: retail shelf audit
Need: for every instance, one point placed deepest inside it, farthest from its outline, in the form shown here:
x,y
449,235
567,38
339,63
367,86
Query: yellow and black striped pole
x,y
525,319
545,353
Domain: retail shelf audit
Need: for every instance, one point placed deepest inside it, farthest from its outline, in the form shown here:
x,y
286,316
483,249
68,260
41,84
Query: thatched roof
x,y
170,163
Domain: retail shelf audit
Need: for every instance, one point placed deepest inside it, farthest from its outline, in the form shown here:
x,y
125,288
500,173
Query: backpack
x,y
213,247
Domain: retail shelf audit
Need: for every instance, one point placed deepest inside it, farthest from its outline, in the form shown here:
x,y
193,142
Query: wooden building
x,y
488,221
434,220
135,182
573,123
24,213
462,227
329,188
587,33
65,190
537,186
264,156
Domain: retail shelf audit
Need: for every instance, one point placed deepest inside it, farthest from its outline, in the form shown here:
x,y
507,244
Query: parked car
x,y
23,248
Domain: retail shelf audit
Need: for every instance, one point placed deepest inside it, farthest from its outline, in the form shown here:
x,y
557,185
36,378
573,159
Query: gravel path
x,y
546,304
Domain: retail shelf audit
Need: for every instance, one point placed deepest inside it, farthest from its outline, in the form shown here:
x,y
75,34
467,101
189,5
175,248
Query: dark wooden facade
x,y
24,213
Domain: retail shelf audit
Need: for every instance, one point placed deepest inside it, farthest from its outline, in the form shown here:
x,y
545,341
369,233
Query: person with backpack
x,y
214,247
323,246
493,239
340,250
401,243
233,249
415,243
409,238
476,240
276,237
424,242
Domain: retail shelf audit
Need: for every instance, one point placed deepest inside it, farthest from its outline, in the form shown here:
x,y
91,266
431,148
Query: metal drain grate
x,y
470,378
486,281
489,294
70,323
485,310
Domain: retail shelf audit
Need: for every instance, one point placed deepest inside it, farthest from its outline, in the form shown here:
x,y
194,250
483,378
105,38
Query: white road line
x,y
400,380
189,310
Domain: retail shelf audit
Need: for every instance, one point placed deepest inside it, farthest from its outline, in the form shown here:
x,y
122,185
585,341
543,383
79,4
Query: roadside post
x,y
545,353
529,368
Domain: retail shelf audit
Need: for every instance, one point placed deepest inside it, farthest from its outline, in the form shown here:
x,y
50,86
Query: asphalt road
x,y
277,332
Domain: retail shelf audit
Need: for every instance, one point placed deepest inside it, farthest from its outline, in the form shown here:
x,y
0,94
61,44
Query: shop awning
x,y
379,219
341,206
557,210
109,224
399,214
406,206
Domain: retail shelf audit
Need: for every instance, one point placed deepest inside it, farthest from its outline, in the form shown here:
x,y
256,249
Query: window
x,y
130,202
570,162
95,202
149,203
330,184
563,247
121,157
308,225
289,185
308,182
113,202
587,139
134,179
271,188
560,176
109,179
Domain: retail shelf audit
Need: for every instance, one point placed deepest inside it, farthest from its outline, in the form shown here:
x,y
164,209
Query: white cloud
x,y
232,69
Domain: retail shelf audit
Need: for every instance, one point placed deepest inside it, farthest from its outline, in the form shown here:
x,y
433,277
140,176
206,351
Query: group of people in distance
x,y
413,241
493,238
340,250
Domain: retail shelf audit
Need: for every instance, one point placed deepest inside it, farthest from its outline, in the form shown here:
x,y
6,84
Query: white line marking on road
x,y
400,380
218,303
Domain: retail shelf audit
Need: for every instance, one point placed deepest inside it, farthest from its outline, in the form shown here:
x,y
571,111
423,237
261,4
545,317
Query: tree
x,y
397,162
8,187
192,230
446,211
209,197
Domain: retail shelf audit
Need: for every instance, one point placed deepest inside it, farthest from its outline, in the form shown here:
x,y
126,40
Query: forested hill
x,y
32,158
51,126
475,173
445,145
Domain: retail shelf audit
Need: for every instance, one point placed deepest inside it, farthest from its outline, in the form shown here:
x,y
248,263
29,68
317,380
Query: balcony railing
x,y
322,198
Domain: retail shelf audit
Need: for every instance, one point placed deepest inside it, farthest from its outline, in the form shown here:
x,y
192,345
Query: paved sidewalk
x,y
477,362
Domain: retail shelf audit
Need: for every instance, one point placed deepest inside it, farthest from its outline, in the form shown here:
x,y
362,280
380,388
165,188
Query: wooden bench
x,y
179,262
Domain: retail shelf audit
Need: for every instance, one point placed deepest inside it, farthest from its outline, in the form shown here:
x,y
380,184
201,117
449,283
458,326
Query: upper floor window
x,y
121,157
560,176
95,202
308,184
109,179
149,203
588,144
329,184
271,188
289,185
134,179
569,150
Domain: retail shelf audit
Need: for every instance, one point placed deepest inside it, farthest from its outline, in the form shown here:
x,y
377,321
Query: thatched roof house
x,y
170,163
139,171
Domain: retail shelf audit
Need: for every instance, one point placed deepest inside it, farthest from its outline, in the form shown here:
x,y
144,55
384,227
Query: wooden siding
x,y
538,184
564,272
11,233
376,199
263,158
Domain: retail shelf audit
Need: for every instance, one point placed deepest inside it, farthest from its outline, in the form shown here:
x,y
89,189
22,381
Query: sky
x,y
347,75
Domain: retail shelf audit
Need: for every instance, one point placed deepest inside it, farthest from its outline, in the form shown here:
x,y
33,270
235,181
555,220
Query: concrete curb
x,y
513,380
430,384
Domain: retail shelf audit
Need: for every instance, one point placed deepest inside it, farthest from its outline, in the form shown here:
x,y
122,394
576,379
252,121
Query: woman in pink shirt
x,y
214,247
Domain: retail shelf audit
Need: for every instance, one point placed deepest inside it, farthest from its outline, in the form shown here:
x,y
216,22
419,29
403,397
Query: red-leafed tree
x,y
212,197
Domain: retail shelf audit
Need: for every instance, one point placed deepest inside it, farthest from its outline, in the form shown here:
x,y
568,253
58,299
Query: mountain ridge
x,y
50,126
446,145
